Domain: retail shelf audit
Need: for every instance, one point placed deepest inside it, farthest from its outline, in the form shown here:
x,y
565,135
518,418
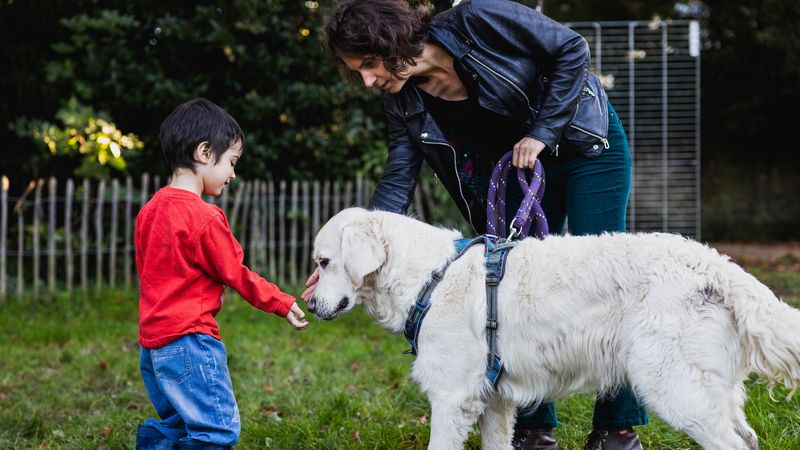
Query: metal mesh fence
x,y
651,71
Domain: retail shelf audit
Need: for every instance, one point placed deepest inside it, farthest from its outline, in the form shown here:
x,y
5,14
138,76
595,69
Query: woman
x,y
464,87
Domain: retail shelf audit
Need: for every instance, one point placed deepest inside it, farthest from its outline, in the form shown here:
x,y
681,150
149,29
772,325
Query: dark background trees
x,y
130,63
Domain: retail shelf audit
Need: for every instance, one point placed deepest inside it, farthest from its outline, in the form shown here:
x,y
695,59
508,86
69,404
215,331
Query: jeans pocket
x,y
171,364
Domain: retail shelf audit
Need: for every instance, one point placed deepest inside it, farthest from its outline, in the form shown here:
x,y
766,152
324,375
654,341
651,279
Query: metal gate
x,y
651,71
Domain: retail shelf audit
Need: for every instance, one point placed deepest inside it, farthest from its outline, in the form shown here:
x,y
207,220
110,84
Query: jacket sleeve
x,y
562,52
396,187
219,255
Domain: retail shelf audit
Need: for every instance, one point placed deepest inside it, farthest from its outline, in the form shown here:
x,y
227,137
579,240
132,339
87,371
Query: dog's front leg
x,y
497,424
452,417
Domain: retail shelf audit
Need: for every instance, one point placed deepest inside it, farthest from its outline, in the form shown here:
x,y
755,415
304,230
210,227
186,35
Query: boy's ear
x,y
202,153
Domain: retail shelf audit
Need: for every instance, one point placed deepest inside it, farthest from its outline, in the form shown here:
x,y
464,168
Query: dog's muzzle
x,y
327,315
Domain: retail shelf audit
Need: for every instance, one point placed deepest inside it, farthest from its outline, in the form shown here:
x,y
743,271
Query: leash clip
x,y
513,232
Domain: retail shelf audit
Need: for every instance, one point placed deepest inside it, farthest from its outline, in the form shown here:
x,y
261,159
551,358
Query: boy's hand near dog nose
x,y
295,317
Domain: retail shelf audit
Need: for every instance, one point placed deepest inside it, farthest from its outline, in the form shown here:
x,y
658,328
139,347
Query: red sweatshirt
x,y
186,254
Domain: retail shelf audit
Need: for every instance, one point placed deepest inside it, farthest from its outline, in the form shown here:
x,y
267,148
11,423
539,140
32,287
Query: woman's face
x,y
374,74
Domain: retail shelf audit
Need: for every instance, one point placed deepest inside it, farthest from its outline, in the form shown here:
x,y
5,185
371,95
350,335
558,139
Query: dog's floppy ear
x,y
362,252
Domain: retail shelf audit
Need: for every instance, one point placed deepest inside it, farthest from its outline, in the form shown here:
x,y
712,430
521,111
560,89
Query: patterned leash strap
x,y
530,210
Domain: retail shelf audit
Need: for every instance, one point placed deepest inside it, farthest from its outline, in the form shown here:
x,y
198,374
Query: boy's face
x,y
217,173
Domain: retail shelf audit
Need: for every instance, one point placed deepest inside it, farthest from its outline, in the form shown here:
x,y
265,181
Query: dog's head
x,y
347,250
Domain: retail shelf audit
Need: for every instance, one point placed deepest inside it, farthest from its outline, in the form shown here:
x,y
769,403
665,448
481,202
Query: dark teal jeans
x,y
591,196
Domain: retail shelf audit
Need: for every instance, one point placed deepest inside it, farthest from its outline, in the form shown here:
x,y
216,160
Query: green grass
x,y
69,379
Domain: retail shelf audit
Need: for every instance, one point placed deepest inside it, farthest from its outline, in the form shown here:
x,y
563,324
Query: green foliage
x,y
261,61
85,135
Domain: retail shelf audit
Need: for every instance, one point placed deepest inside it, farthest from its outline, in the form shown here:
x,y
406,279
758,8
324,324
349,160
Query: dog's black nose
x,y
342,304
312,304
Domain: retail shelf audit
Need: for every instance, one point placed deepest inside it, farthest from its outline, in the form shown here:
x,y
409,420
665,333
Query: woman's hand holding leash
x,y
526,151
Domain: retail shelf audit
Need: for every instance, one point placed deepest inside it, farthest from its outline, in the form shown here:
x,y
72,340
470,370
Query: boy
x,y
185,255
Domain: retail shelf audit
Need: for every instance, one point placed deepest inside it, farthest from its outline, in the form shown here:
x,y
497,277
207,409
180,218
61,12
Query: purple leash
x,y
496,202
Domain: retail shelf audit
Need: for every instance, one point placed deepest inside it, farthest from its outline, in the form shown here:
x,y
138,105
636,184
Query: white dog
x,y
679,323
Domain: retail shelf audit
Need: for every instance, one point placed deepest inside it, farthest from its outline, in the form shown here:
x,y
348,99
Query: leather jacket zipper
x,y
516,88
521,92
602,139
455,166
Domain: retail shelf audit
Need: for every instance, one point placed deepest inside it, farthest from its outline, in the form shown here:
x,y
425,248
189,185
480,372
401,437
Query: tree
x,y
261,61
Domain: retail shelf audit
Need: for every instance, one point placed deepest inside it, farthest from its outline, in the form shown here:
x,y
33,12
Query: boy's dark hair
x,y
390,29
195,122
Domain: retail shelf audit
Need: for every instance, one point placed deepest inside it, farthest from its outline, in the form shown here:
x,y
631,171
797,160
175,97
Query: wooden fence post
x,y
271,241
68,262
85,237
315,211
4,185
253,227
19,209
98,226
129,252
326,200
347,198
293,235
51,236
21,247
112,257
306,224
263,249
237,201
37,218
282,232
243,233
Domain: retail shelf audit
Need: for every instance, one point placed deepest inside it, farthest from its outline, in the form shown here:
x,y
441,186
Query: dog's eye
x,y
323,262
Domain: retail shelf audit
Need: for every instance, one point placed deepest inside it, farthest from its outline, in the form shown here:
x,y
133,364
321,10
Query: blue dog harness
x,y
495,254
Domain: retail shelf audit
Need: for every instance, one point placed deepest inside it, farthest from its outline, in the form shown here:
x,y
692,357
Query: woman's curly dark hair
x,y
390,29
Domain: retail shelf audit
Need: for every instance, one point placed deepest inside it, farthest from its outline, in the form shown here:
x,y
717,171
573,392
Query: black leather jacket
x,y
526,66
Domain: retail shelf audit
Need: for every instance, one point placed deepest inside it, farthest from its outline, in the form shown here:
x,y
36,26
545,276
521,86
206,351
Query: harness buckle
x,y
491,324
492,279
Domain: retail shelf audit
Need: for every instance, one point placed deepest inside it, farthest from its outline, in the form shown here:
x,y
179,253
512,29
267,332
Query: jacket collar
x,y
458,47
411,105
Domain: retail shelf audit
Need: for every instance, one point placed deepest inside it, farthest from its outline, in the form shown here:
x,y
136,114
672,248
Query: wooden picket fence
x,y
66,236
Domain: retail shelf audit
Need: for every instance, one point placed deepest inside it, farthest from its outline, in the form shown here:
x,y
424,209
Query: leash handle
x,y
531,202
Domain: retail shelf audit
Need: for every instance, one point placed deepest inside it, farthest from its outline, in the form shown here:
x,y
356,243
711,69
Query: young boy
x,y
186,255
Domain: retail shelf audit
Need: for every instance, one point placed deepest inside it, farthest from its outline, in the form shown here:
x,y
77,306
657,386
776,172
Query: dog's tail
x,y
769,329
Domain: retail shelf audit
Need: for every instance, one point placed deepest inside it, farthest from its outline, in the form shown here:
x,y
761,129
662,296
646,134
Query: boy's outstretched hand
x,y
295,317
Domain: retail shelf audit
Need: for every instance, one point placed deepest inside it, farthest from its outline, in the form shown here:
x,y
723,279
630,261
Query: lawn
x,y
69,379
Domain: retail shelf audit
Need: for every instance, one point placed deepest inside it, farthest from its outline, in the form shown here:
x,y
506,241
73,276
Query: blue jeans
x,y
190,387
591,196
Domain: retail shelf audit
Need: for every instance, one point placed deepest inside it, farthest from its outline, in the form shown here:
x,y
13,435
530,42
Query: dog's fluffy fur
x,y
672,318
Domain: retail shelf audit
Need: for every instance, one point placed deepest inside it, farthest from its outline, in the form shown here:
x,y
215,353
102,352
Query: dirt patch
x,y
781,256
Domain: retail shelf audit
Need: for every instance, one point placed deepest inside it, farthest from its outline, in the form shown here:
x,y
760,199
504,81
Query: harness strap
x,y
423,303
495,255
